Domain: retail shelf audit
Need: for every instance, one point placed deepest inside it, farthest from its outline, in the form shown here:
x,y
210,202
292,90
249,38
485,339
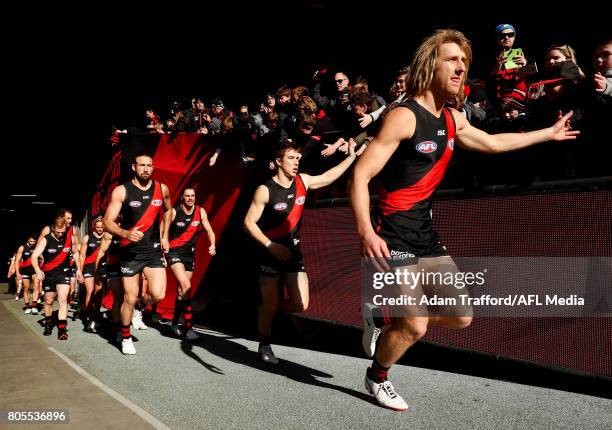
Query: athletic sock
x,y
178,309
264,341
377,372
62,325
187,314
125,332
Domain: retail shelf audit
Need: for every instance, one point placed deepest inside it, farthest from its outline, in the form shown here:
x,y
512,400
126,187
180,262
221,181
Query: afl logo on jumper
x,y
280,206
156,202
195,223
300,200
427,147
135,204
180,224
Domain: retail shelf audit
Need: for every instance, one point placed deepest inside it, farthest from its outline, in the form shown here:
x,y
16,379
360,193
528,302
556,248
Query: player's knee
x,y
413,329
462,322
157,296
130,299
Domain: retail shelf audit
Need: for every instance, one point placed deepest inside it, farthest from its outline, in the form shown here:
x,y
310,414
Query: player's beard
x,y
143,179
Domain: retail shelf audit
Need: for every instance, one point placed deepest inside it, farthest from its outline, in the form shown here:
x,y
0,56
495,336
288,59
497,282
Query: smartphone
x,y
510,55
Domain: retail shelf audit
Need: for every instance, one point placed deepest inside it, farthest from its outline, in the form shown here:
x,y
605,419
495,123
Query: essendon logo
x,y
156,202
426,147
135,204
195,223
66,250
280,206
451,144
300,200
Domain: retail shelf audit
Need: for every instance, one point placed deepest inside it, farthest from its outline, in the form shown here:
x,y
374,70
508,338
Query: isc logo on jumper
x,y
156,202
135,204
280,206
426,147
300,200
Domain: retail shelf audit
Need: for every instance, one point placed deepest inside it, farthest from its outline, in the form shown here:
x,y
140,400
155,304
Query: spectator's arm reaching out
x,y
330,149
326,178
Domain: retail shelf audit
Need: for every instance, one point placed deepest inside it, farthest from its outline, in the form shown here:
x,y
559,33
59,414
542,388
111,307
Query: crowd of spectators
x,y
521,93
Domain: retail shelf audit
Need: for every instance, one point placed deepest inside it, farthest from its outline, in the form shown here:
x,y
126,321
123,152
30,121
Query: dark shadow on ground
x,y
225,348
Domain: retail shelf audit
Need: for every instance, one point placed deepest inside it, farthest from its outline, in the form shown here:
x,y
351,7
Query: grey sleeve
x,y
376,114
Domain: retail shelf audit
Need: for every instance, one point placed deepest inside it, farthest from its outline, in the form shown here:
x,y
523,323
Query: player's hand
x,y
375,250
40,274
135,235
165,244
561,129
79,276
212,250
279,251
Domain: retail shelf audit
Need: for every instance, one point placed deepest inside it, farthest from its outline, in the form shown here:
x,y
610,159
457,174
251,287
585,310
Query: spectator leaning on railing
x,y
154,123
